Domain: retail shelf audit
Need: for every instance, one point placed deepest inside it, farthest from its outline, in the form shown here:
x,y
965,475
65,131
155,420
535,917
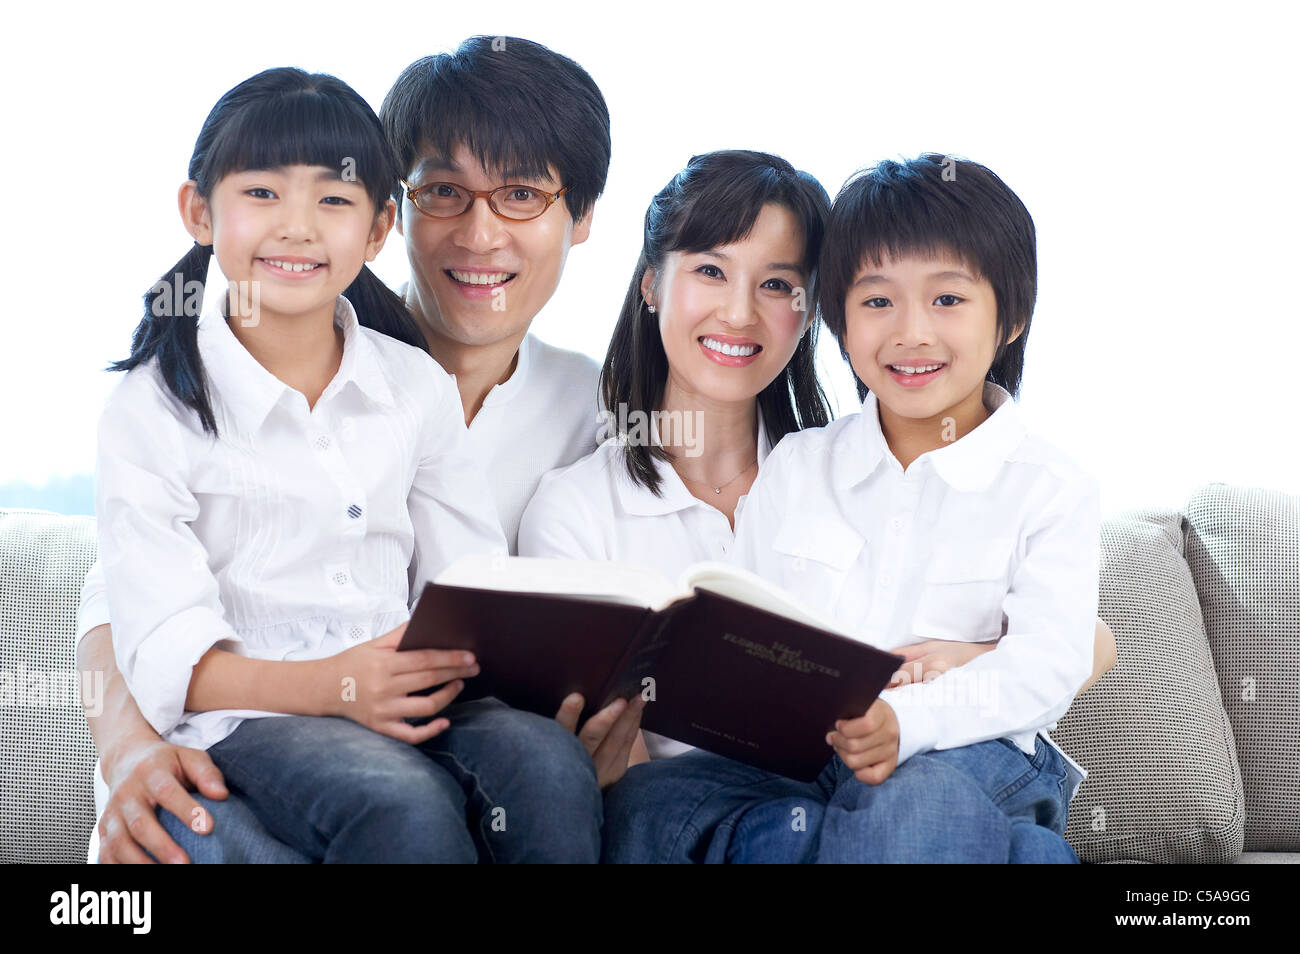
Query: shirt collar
x,y
640,501
247,388
511,386
970,464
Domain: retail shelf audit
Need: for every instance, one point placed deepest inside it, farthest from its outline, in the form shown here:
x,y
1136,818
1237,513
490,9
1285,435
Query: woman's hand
x,y
608,735
144,774
933,657
370,684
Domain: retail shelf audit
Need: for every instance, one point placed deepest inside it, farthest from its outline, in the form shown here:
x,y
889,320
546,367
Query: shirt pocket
x,y
817,556
962,590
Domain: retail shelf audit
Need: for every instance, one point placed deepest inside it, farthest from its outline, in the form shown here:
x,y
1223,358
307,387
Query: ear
x,y
647,286
379,231
195,212
582,227
1019,330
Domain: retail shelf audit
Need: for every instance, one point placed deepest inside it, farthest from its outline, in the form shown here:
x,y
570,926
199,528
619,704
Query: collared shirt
x,y
995,529
296,533
593,510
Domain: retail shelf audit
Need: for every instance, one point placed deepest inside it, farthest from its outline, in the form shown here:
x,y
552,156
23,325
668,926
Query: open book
x,y
727,661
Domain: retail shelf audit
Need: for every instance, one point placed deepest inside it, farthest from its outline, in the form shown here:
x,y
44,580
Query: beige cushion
x,y
1243,546
1163,783
46,753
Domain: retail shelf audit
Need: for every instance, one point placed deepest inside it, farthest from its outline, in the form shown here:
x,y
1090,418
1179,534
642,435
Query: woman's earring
x,y
649,306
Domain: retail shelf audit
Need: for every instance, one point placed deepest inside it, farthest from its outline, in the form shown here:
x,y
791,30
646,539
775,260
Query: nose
x,y
739,310
479,230
298,218
912,326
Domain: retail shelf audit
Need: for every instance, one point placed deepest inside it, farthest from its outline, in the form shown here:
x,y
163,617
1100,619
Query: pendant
x,y
717,490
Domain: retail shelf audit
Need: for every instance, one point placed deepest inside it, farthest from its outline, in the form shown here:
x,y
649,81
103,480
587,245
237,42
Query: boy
x,y
931,514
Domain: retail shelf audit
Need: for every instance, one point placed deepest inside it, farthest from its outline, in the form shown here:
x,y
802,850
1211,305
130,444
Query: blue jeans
x,y
498,785
983,803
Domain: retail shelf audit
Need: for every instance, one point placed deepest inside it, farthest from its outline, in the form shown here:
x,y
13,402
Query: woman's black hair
x,y
714,201
928,205
280,117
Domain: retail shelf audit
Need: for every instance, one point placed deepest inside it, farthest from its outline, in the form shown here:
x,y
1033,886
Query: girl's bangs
x,y
305,128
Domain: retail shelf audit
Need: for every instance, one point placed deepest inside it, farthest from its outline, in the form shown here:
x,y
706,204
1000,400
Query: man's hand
x,y
146,775
371,683
933,657
868,745
608,735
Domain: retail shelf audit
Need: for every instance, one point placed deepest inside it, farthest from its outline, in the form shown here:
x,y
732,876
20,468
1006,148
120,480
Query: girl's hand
x,y
370,683
933,657
608,735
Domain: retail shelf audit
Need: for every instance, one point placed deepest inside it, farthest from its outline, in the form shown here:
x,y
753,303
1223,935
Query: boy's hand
x,y
933,657
869,744
370,684
608,735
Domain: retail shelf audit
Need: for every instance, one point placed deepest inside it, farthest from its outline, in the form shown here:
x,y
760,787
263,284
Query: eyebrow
x,y
327,173
771,266
877,279
445,164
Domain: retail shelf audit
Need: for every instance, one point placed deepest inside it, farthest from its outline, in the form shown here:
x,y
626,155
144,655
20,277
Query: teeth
x,y
739,351
919,369
480,278
292,266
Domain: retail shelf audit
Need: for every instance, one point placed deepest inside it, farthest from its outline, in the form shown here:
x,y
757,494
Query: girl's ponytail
x,y
378,308
169,332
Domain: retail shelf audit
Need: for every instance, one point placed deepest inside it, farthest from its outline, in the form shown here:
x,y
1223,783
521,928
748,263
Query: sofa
x,y
1191,742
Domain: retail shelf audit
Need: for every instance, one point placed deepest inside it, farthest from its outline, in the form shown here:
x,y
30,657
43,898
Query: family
x,y
278,476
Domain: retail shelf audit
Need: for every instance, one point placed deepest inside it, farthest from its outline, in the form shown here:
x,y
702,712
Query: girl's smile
x,y
915,374
292,268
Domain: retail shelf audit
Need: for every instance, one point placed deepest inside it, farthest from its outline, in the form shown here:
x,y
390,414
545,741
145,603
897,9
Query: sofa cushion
x,y
1243,546
1163,783
46,753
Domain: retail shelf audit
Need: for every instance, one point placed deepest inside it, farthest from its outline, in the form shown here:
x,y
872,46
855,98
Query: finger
x,y
116,846
414,734
173,797
143,828
618,741
856,728
900,678
437,701
848,744
415,681
419,659
570,709
597,727
199,769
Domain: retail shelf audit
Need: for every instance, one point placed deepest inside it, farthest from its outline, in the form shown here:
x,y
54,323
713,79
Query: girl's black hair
x,y
280,117
714,201
928,205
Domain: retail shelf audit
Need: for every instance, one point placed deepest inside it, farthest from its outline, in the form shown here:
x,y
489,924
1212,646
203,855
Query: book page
x,y
745,587
606,580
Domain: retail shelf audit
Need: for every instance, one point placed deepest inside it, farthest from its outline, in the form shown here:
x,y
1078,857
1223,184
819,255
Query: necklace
x,y
717,489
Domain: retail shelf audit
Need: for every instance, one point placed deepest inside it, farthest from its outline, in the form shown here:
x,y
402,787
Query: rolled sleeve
x,y
1031,678
161,595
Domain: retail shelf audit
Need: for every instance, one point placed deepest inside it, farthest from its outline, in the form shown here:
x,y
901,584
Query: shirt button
x,y
886,581
323,442
340,578
354,511
896,524
356,632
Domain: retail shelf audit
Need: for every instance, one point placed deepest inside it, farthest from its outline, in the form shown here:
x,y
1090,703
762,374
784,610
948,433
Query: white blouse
x,y
295,534
593,510
995,529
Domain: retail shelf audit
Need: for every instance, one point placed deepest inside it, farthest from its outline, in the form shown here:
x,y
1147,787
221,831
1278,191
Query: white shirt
x,y
997,526
545,415
292,535
593,510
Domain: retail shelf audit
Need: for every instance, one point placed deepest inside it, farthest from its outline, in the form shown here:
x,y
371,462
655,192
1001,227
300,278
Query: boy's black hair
x,y
279,117
516,105
930,205
714,201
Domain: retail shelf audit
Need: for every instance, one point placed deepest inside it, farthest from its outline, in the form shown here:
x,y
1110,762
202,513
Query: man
x,y
499,112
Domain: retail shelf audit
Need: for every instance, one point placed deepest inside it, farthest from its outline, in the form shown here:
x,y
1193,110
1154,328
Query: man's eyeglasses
x,y
446,200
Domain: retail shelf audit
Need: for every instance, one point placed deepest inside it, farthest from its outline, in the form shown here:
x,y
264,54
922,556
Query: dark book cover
x,y
720,674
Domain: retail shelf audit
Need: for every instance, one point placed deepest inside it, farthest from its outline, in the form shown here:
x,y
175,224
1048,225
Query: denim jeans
x,y
498,785
984,803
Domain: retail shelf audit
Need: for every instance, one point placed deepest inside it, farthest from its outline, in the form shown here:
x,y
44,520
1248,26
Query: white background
x,y
1154,147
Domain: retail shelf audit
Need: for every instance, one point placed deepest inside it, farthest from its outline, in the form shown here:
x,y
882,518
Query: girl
x,y
274,481
729,247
